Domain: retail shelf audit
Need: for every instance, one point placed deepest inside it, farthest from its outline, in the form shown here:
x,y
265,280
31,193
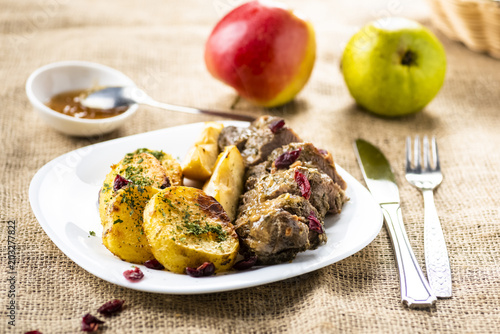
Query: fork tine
x,y
417,153
408,154
426,153
435,154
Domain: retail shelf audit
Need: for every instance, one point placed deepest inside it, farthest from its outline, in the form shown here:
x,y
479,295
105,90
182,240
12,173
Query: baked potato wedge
x,y
199,161
123,234
185,228
226,182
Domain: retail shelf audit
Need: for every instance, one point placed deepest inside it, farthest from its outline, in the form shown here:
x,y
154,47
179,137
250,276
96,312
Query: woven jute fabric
x,y
159,44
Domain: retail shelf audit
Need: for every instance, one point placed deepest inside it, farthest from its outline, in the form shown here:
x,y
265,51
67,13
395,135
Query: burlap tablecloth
x,y
160,45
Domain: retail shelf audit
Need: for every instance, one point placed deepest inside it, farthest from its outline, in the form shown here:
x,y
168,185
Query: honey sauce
x,y
69,103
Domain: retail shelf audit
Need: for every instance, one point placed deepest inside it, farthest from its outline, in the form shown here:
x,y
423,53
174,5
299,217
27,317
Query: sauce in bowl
x,y
68,103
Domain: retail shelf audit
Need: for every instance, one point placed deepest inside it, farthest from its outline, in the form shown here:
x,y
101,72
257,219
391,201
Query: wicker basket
x,y
476,23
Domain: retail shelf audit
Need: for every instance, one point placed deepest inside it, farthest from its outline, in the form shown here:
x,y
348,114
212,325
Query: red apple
x,y
264,50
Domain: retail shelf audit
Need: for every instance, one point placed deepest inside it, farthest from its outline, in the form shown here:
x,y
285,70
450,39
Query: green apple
x,y
394,66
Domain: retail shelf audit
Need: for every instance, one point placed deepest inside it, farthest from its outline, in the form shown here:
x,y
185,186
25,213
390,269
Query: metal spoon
x,y
112,97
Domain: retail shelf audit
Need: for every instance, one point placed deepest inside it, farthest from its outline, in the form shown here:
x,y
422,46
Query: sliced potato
x,y
200,159
172,167
123,234
226,182
121,211
185,228
143,167
106,193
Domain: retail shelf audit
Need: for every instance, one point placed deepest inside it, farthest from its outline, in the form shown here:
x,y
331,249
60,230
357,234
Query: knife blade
x,y
379,177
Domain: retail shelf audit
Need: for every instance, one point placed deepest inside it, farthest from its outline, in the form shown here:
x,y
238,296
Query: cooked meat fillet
x,y
277,229
264,122
232,135
325,195
309,156
254,173
262,140
282,211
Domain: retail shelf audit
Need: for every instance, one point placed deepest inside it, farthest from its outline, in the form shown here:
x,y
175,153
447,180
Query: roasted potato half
x,y
200,159
172,167
185,228
226,182
123,234
144,172
142,167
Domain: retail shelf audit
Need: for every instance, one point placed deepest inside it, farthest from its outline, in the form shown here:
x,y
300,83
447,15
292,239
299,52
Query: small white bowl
x,y
59,77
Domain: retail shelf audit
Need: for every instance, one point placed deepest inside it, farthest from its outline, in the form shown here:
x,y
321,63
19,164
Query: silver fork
x,y
427,178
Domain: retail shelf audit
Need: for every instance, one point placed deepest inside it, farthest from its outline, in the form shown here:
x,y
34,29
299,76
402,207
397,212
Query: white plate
x,y
63,195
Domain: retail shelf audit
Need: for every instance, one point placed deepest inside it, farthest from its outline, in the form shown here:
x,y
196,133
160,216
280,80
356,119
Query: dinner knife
x,y
379,177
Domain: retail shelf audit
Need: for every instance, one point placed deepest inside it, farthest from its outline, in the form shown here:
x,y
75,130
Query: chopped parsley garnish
x,y
106,187
92,233
128,158
118,221
133,174
157,154
136,173
196,229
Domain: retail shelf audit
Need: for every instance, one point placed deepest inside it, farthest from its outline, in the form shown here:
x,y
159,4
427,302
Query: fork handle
x,y
415,290
437,262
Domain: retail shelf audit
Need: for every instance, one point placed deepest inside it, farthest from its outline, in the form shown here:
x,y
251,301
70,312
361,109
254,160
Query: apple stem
x,y
235,102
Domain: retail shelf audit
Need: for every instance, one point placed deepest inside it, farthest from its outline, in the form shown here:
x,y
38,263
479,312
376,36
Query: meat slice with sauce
x,y
263,136
308,156
290,187
276,230
325,195
233,135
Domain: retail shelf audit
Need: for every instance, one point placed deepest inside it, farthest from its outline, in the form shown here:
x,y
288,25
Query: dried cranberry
x,y
245,263
314,223
133,275
206,269
90,323
120,182
33,332
303,183
111,307
154,264
287,158
166,183
277,125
